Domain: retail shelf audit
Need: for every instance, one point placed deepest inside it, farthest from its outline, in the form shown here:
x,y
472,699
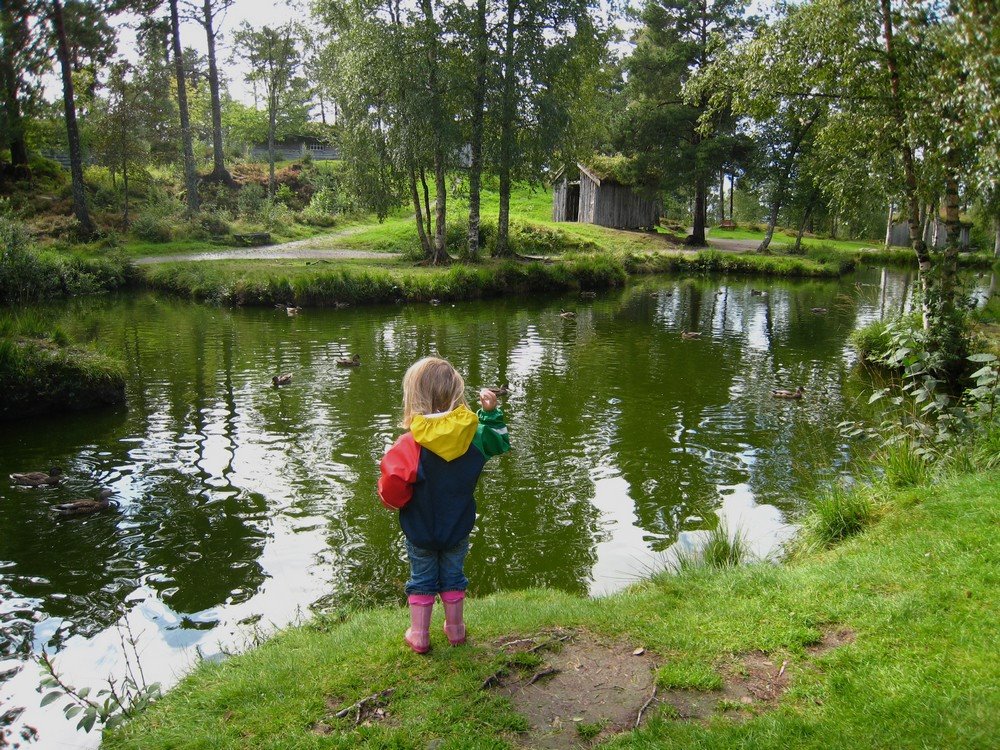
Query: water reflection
x,y
243,504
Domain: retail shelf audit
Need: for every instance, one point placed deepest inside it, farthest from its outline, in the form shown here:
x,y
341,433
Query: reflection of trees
x,y
195,522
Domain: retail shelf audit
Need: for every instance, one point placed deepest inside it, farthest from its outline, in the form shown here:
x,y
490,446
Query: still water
x,y
244,506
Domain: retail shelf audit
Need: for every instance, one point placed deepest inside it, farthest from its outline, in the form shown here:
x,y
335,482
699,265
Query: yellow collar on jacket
x,y
449,434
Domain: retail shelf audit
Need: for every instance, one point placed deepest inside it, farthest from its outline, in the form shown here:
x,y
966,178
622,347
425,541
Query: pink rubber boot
x,y
454,626
418,635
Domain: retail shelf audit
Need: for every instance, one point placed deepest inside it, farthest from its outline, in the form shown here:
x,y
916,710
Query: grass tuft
x,y
837,514
902,466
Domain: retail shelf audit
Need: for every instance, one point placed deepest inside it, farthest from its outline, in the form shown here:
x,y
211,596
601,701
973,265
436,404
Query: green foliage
x,y
109,706
28,276
250,200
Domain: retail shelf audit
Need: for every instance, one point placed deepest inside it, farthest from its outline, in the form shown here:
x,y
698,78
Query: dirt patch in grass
x,y
752,683
573,687
834,636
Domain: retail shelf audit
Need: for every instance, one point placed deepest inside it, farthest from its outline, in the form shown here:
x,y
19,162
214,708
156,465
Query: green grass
x,y
867,252
688,674
918,588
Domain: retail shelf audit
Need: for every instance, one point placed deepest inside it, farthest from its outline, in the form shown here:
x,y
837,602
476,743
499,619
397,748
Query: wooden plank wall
x,y
621,207
559,200
608,204
588,199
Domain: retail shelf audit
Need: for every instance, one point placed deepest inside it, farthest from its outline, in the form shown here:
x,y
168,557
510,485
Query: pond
x,y
244,506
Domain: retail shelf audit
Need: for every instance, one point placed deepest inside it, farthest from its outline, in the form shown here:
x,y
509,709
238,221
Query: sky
x,y
256,12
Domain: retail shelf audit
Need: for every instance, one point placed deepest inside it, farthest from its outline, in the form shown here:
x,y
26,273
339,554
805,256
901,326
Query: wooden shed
x,y
596,196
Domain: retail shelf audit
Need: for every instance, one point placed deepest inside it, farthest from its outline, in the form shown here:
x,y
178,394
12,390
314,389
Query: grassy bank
x,y
359,282
41,372
910,598
867,252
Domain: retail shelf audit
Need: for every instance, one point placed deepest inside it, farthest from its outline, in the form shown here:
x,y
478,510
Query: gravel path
x,y
314,248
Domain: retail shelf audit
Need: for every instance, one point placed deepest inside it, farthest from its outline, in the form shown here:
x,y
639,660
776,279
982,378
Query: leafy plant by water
x,y
122,698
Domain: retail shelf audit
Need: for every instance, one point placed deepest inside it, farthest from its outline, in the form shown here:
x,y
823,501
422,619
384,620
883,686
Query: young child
x,y
429,475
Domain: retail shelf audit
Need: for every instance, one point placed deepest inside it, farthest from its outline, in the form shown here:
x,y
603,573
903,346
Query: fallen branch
x,y
549,642
544,673
638,718
493,680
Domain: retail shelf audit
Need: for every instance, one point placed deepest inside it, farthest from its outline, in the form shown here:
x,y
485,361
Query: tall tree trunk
x,y
13,35
72,132
888,228
732,189
996,238
272,123
722,196
437,124
802,225
772,220
698,219
427,204
125,216
506,131
478,113
190,172
425,244
219,171
909,171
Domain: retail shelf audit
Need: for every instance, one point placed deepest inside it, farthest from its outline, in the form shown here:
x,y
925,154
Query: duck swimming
x,y
688,335
38,478
501,391
785,393
283,379
354,361
567,314
88,506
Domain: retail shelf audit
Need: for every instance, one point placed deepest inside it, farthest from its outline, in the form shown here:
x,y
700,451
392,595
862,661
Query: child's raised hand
x,y
488,399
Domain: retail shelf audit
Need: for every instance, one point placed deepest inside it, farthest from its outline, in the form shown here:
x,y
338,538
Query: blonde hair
x,y
431,386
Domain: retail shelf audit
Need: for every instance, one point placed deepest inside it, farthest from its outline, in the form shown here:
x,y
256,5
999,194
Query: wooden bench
x,y
727,224
253,239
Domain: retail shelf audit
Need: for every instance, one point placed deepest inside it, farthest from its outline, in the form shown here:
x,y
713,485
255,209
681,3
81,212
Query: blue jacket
x,y
430,473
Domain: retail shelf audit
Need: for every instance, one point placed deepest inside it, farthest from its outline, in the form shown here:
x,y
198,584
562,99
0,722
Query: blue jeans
x,y
433,571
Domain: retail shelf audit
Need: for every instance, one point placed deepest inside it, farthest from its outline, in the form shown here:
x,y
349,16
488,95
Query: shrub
x,y
215,223
284,195
22,276
151,228
250,200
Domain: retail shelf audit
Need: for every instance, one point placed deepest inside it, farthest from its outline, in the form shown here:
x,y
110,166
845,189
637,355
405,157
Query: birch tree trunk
x,y
888,228
506,131
909,171
425,244
478,112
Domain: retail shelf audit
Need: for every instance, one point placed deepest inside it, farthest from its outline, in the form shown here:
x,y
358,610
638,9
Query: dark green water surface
x,y
242,506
